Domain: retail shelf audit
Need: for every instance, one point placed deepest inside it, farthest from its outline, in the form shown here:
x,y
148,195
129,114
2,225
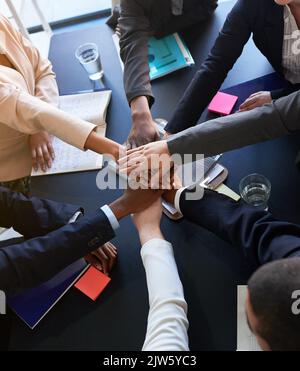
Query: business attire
x,y
263,238
273,30
167,320
141,19
274,120
53,240
29,104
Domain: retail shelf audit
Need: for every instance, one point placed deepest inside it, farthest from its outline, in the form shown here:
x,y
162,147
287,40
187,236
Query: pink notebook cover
x,y
223,103
93,283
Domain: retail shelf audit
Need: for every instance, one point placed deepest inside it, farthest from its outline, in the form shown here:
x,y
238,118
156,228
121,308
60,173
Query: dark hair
x,y
271,289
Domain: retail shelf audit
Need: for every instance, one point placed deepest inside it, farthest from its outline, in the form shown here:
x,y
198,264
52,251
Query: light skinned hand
x,y
42,151
153,158
256,100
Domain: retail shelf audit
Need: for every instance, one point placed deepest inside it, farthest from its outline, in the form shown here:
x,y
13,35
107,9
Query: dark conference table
x,y
210,269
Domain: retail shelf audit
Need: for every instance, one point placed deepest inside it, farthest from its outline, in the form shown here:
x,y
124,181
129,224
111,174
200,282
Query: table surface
x,y
210,269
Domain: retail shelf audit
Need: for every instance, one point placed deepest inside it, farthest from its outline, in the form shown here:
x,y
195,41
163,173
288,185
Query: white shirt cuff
x,y
111,217
75,217
177,199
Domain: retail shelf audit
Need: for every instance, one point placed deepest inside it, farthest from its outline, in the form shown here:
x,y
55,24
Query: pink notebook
x,y
223,103
93,283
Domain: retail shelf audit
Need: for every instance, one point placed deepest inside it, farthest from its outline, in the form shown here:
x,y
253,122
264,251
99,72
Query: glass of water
x,y
89,57
255,190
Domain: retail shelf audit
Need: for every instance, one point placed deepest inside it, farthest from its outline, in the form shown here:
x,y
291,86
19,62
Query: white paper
x,y
91,107
246,341
8,234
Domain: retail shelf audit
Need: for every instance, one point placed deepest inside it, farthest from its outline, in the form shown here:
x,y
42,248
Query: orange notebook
x,y
223,103
93,283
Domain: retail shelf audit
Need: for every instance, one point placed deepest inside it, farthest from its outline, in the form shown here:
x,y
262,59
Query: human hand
x,y
134,201
104,258
153,159
148,221
256,100
42,151
144,129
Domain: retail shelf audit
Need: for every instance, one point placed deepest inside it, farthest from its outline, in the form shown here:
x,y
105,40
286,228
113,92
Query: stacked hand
x,y
151,162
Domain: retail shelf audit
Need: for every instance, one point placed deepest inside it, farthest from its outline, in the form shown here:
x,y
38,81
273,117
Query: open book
x,y
91,107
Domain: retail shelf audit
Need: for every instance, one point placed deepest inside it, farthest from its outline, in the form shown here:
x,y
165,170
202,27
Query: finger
x,y
249,108
135,150
255,94
111,258
51,150
91,259
40,159
112,248
247,103
104,261
35,164
47,157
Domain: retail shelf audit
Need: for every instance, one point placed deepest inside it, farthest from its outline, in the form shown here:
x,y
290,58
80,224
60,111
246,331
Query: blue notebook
x,y
33,305
168,55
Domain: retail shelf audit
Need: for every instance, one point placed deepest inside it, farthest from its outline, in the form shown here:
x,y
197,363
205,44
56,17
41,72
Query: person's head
x,y
273,292
286,2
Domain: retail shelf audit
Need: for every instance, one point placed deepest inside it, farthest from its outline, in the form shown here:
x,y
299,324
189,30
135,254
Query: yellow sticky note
x,y
223,189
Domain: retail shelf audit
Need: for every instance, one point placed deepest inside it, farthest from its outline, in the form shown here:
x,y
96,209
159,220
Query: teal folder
x,y
168,55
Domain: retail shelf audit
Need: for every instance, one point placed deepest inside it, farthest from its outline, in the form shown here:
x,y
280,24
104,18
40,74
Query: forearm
x,y
37,260
231,132
97,143
208,80
167,321
41,216
135,32
262,238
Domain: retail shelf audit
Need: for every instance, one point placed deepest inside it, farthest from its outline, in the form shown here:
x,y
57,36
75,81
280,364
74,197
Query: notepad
x,y
91,107
223,103
93,283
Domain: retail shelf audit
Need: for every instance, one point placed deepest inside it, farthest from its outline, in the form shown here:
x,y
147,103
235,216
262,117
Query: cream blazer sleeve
x,y
30,115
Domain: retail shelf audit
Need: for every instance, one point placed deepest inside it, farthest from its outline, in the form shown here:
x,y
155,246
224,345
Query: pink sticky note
x,y
92,283
223,103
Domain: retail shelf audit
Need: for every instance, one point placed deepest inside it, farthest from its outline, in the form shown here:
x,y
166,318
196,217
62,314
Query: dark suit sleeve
x,y
262,237
207,81
32,217
279,93
35,261
241,129
135,32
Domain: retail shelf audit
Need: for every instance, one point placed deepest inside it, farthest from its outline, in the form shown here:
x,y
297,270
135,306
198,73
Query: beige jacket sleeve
x,y
45,80
30,115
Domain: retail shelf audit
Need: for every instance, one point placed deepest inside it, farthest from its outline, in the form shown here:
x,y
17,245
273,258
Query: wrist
x,y
150,233
119,209
140,109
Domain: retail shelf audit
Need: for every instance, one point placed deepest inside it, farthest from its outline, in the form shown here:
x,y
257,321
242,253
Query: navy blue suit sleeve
x,y
35,261
207,81
32,217
262,237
